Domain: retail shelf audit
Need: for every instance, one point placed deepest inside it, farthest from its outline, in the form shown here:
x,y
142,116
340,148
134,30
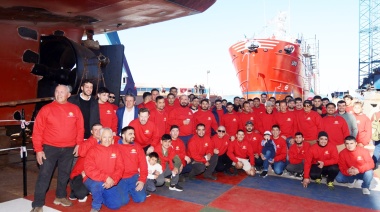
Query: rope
x,y
23,122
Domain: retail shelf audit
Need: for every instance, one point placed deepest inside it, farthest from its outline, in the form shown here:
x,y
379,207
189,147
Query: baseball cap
x,y
307,102
248,122
267,133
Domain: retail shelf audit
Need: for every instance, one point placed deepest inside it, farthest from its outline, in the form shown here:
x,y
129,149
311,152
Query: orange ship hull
x,y
269,68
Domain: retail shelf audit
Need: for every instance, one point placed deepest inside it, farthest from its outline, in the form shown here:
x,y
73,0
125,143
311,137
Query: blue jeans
x,y
185,139
376,152
101,195
126,187
267,155
278,167
366,177
64,157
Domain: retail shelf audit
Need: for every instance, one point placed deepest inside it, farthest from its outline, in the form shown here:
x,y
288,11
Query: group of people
x,y
117,153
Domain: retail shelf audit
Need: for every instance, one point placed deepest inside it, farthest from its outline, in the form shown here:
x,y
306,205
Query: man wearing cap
x,y
241,153
309,122
266,120
230,120
322,159
246,115
254,139
355,163
335,126
297,153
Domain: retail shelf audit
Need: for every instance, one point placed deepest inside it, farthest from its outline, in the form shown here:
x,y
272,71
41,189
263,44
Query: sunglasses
x,y
112,97
307,106
222,131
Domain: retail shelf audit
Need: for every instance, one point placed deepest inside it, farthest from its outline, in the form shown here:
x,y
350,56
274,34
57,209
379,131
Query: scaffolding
x,y
310,52
369,41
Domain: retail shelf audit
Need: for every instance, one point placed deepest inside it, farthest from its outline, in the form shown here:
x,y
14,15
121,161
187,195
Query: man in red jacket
x,y
322,159
309,123
104,168
58,128
205,117
145,130
246,115
202,154
254,139
364,125
287,122
221,142
297,154
266,120
159,116
230,120
335,126
170,162
180,149
241,153
355,162
169,103
135,170
107,114
183,118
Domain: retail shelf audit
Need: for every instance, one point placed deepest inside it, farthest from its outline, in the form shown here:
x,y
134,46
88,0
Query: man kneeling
x,y
355,163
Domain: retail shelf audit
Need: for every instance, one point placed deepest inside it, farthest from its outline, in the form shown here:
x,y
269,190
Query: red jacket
x,y
82,152
287,122
240,149
281,149
145,134
364,129
102,162
336,127
163,160
244,117
309,124
298,154
231,122
176,103
160,119
221,143
198,148
134,160
265,121
206,118
350,109
255,140
108,117
178,115
151,105
359,158
168,108
327,154
180,150
59,125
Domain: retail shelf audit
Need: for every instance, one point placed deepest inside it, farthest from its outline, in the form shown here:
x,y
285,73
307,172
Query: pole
x,y
208,71
24,156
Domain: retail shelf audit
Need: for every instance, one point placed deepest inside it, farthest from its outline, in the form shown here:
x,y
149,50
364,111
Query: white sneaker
x,y
351,185
83,200
366,191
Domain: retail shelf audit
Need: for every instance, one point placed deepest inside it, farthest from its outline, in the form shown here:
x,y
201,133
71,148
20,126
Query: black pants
x,y
259,163
64,157
78,189
224,163
330,171
199,167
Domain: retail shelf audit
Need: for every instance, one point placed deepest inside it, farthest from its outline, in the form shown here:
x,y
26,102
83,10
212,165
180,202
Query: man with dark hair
x,y
174,91
230,120
237,106
318,106
335,126
145,130
350,119
57,130
254,139
154,93
147,102
159,116
203,156
263,98
364,125
128,113
183,118
325,101
219,110
194,106
287,122
299,104
288,98
88,106
309,122
355,163
246,115
206,117
297,154
224,102
111,100
108,117
322,159
180,149
349,103
257,107
241,153
170,162
170,102
291,104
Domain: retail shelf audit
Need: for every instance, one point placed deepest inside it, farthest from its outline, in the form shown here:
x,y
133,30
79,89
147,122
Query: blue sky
x,y
180,51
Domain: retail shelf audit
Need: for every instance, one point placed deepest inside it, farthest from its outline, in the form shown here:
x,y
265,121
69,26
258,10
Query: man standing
x,y
266,120
264,98
309,123
287,122
183,118
335,126
246,115
355,163
237,106
57,130
128,113
111,100
318,106
350,118
159,116
230,120
299,105
169,103
107,115
219,110
145,130
364,125
147,102
349,103
206,117
201,151
88,106
194,104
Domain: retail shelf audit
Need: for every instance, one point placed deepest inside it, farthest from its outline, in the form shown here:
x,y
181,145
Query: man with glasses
x,y
309,123
111,99
221,142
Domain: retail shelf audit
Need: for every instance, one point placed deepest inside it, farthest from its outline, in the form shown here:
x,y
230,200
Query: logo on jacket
x,y
206,144
254,138
133,151
251,118
146,132
308,118
209,118
289,119
189,113
234,119
113,155
108,112
278,146
71,114
177,148
244,147
359,158
336,122
358,121
327,152
164,118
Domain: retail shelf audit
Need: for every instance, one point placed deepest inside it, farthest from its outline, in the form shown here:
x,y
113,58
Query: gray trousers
x,y
199,167
166,173
295,168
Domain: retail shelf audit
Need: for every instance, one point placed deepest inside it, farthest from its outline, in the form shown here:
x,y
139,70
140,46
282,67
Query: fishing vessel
x,y
276,65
